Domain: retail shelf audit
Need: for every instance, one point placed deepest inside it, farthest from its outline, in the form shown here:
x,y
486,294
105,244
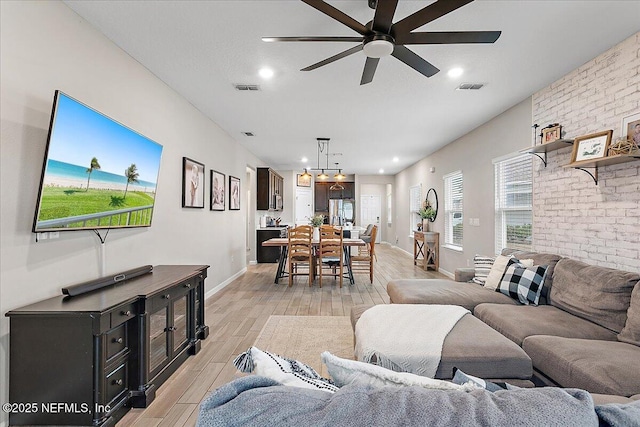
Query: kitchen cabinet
x,y
321,197
268,253
86,360
323,194
270,190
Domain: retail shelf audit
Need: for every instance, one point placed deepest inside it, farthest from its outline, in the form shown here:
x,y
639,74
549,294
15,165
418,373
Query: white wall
x,y
376,185
472,154
45,46
597,224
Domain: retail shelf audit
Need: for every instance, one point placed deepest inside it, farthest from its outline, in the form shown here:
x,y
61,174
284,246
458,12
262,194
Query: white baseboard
x,y
253,262
402,250
224,284
449,274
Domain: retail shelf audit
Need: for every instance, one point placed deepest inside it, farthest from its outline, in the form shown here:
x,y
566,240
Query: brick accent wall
x,y
573,217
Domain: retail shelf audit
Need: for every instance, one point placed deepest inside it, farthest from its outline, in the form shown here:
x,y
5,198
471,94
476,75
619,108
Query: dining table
x,y
283,243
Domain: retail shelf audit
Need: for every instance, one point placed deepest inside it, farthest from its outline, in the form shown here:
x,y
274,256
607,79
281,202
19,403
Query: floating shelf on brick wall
x,y
545,148
605,161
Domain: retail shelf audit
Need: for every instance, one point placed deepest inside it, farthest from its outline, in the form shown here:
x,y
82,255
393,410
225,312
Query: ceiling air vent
x,y
248,133
246,87
469,86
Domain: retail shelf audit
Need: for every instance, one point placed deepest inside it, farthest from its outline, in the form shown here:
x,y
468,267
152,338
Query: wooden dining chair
x,y
330,252
300,250
363,261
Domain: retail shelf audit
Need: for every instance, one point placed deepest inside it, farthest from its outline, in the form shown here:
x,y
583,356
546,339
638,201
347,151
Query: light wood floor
x,y
236,316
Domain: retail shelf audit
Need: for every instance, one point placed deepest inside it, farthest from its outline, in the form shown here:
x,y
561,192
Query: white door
x,y
304,205
370,212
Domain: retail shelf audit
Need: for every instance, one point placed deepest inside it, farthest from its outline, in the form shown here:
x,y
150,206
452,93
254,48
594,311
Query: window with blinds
x,y
453,218
513,192
415,203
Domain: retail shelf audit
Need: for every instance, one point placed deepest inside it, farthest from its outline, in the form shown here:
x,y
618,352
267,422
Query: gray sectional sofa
x,y
584,334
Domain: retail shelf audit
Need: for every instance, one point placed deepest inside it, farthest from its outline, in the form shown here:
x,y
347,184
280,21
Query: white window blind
x,y
453,218
513,192
415,203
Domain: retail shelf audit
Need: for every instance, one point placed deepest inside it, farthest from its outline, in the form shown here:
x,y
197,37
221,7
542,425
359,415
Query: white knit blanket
x,y
405,337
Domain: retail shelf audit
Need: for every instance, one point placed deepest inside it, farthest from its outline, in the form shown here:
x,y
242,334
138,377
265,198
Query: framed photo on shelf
x,y
303,180
216,188
192,183
631,128
551,133
591,147
234,193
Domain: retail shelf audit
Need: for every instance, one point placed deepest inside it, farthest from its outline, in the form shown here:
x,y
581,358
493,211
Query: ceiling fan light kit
x,y
381,37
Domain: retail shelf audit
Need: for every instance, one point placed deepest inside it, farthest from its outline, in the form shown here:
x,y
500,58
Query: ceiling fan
x,y
381,37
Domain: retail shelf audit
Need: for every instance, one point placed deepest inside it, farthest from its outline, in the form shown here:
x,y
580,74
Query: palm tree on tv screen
x,y
94,165
132,176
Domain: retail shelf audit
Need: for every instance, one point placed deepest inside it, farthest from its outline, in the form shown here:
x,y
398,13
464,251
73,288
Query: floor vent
x,y
469,86
246,87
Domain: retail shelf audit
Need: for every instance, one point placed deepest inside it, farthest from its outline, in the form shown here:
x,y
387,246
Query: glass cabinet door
x,y
180,323
159,338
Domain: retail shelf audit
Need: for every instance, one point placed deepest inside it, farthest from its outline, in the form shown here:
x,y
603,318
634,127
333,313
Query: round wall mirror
x,y
432,200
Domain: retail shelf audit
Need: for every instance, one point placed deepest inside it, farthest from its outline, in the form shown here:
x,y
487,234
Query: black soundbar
x,y
92,285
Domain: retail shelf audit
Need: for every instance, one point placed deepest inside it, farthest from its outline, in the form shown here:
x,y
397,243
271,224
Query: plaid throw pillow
x,y
523,283
482,266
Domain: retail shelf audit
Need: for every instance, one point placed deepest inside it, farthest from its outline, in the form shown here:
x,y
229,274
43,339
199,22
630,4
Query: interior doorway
x,y
370,212
303,206
251,216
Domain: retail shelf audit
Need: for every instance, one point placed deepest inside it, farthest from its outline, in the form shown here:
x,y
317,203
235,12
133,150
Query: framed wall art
x,y
591,147
192,183
631,128
234,193
216,188
303,180
551,133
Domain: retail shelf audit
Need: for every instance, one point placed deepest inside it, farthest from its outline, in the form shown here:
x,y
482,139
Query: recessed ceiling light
x,y
455,72
304,160
266,73
381,170
396,160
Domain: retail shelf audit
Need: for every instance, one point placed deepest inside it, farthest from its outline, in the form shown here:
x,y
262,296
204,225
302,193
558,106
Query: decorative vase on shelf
x,y
316,233
425,225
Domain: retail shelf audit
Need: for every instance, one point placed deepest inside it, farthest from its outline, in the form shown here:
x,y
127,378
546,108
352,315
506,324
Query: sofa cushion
x,y
631,331
539,259
477,349
481,351
521,321
523,283
597,366
499,267
482,266
598,294
437,291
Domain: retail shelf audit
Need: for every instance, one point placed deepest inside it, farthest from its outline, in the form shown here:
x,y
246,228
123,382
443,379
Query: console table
x,y
426,247
87,359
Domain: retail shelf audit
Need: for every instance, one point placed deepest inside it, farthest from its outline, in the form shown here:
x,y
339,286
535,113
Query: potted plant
x,y
428,214
316,222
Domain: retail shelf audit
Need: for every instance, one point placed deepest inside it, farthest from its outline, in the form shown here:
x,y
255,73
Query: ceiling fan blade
x,y
313,39
414,61
426,15
334,58
338,15
369,70
449,37
383,18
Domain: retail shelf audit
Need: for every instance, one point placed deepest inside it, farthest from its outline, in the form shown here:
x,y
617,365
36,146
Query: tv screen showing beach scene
x,y
97,173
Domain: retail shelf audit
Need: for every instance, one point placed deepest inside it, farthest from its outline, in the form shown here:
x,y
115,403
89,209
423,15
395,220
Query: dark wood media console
x,y
86,360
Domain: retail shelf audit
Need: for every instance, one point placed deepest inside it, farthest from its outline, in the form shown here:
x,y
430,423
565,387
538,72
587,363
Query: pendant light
x,y
323,144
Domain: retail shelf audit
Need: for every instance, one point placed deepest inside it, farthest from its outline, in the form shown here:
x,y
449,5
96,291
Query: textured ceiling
x,y
202,48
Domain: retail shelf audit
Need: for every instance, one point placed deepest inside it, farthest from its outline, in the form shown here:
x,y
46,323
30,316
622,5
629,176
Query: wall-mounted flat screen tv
x,y
97,173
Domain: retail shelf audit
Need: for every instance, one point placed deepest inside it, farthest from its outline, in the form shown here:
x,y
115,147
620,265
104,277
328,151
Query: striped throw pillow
x,y
482,266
